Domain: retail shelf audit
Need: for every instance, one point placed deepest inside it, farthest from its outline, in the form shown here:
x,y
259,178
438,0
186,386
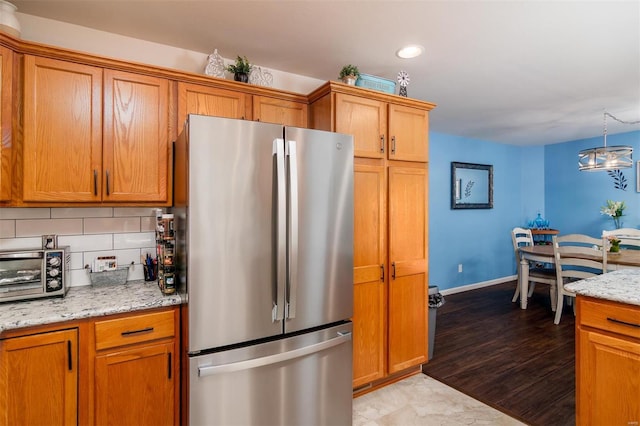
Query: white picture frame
x,y
637,176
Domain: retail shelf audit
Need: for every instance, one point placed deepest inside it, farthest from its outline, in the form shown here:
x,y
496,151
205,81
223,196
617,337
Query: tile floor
x,y
421,400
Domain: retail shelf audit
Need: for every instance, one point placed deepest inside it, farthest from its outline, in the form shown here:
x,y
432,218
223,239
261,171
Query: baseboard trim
x,y
478,285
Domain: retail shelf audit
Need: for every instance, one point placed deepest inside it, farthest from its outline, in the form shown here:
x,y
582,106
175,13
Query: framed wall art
x,y
471,186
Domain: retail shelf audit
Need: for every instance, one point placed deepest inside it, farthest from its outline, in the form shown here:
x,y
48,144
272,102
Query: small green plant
x,y
242,66
349,70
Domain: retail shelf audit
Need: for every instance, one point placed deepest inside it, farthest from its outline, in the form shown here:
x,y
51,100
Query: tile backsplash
x,y
126,232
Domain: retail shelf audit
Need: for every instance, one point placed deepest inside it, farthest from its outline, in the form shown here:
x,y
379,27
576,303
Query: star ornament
x,y
403,78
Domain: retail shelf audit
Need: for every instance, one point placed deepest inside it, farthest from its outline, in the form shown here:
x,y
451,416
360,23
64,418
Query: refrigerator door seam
x,y
273,359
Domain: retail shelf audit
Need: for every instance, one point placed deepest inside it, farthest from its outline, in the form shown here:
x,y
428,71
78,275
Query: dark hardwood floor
x,y
514,360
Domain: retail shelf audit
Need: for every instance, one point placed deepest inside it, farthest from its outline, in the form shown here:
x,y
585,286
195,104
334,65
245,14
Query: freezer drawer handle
x,y
142,330
273,359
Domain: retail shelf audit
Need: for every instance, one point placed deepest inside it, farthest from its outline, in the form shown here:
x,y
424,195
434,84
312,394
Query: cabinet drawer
x,y
134,329
614,317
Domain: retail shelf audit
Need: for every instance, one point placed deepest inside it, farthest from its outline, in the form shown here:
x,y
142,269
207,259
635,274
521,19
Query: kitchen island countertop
x,y
85,302
618,286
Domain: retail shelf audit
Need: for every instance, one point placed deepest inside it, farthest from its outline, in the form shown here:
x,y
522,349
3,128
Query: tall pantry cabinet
x,y
391,224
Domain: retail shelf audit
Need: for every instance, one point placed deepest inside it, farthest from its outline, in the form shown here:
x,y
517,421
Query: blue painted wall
x,y
573,198
527,181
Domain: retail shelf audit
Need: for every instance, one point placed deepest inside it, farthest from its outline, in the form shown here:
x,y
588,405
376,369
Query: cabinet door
x,y
136,386
136,137
408,133
608,380
204,100
369,254
366,120
62,142
6,142
408,290
279,111
39,379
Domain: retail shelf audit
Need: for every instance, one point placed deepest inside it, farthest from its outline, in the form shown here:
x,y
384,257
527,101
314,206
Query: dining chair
x,y
537,274
576,256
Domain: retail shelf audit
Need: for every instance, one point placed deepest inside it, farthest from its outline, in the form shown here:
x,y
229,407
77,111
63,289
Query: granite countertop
x,y
618,286
84,302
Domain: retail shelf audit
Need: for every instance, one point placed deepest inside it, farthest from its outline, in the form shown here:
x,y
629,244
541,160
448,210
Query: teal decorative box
x,y
376,83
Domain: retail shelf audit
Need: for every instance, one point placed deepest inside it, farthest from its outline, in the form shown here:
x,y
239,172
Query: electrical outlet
x,y
459,267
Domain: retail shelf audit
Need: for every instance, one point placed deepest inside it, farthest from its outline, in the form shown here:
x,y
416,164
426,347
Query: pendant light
x,y
606,157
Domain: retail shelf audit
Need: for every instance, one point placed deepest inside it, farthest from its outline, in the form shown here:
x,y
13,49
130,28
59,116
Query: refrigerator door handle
x,y
281,232
273,359
292,156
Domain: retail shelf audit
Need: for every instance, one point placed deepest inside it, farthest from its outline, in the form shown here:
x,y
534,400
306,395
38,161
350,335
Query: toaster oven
x,y
30,274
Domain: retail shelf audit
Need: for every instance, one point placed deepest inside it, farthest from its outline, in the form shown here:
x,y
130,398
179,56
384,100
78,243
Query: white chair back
x,y
576,256
521,237
629,237
537,274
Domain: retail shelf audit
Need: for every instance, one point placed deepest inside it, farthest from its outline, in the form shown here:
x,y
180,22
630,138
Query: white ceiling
x,y
517,72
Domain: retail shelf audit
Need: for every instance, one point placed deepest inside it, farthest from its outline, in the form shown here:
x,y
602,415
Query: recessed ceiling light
x,y
410,51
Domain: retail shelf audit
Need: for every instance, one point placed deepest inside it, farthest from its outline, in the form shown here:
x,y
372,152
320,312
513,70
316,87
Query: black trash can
x,y
435,301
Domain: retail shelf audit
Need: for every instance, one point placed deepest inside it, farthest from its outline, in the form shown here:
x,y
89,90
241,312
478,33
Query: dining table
x,y
624,259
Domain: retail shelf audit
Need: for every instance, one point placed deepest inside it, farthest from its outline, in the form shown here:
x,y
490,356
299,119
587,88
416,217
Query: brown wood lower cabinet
x,y
607,363
39,379
114,370
136,369
136,386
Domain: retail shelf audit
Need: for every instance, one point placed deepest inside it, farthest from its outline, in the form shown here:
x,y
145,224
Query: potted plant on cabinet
x,y
240,69
349,74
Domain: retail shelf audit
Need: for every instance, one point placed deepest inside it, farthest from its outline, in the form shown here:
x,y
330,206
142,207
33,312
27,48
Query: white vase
x,y
350,80
8,21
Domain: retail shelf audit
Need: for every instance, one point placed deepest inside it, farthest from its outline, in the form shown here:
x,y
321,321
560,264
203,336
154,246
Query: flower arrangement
x,y
614,244
614,209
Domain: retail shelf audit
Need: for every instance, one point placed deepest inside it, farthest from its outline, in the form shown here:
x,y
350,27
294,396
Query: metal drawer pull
x,y
617,321
132,332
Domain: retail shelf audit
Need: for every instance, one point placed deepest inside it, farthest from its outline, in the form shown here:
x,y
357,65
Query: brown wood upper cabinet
x,y
279,111
6,142
136,137
382,129
68,156
206,100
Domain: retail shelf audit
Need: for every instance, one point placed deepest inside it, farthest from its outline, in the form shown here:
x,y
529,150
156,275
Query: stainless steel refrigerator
x,y
264,218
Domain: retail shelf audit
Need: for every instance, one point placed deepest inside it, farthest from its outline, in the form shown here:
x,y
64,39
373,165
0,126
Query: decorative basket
x,y
117,276
376,83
